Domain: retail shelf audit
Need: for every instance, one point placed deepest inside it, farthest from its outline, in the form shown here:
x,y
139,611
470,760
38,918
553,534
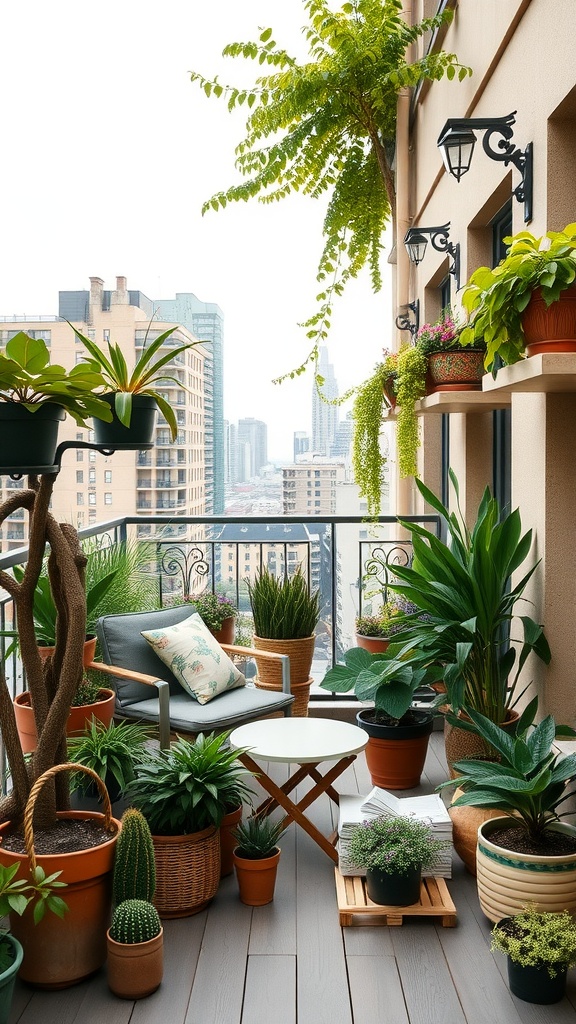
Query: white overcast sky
x,y
109,152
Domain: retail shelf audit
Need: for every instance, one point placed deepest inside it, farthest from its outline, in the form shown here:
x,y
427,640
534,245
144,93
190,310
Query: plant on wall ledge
x,y
410,387
368,462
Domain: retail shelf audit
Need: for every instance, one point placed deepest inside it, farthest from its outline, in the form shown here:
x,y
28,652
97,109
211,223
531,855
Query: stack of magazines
x,y
430,809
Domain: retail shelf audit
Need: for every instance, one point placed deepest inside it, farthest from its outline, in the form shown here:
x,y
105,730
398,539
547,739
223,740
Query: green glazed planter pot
x,y
8,978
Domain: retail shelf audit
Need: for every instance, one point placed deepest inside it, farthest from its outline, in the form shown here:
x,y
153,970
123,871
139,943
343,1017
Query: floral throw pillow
x,y
195,658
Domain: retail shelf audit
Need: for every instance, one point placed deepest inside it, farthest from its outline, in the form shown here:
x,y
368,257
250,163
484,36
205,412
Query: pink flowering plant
x,y
212,608
395,845
442,336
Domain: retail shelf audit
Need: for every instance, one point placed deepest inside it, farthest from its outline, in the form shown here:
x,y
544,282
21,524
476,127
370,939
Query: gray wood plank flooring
x,y
291,963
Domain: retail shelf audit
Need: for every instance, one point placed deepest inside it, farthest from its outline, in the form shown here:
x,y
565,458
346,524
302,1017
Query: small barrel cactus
x,y
135,921
134,865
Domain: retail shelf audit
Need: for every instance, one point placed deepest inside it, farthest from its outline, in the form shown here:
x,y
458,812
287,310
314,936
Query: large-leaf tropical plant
x,y
327,126
465,588
144,379
29,378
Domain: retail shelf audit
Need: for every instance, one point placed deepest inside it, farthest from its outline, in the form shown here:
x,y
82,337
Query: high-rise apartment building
x,y
309,488
324,415
301,443
205,321
252,448
170,479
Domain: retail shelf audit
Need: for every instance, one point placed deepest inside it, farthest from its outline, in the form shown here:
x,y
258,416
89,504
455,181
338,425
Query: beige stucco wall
x,y
522,55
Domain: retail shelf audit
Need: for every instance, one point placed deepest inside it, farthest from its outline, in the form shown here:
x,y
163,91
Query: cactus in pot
x,y
134,866
135,921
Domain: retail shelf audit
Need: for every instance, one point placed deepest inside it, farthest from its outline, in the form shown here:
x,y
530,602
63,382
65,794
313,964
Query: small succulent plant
x,y
257,837
135,921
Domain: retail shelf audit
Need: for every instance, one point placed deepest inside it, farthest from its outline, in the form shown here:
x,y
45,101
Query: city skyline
x,y
108,179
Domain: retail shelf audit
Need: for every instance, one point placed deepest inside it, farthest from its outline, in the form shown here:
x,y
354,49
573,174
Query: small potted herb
x,y
373,632
256,859
540,947
218,612
394,852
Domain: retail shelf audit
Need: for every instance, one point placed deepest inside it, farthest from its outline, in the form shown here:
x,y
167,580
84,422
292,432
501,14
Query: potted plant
x,y
368,462
15,896
256,858
451,365
285,613
92,701
464,588
217,612
529,854
540,948
394,851
182,793
373,632
135,950
135,937
112,751
410,387
134,396
399,733
526,304
35,396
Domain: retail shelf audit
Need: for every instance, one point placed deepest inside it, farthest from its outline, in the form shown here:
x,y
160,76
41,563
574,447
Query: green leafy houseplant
x,y
144,379
495,299
464,587
391,683
113,752
529,780
394,845
368,462
257,837
283,609
410,387
27,377
538,939
213,609
326,127
186,789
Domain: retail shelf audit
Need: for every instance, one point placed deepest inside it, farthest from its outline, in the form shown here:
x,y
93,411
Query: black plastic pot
x,y
142,423
390,889
534,984
29,439
395,754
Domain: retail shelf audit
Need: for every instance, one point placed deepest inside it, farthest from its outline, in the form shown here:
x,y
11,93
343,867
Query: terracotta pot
x,y
465,824
226,633
228,826
60,952
300,652
374,644
135,969
508,880
395,755
102,710
87,658
456,370
550,328
256,878
187,872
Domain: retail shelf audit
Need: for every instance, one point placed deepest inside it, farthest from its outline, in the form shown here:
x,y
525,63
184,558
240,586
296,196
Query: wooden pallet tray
x,y
356,907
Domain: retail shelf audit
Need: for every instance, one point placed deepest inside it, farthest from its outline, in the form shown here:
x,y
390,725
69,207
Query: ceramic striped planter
x,y
508,880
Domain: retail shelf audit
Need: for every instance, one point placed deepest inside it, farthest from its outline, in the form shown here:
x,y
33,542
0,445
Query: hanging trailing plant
x,y
410,387
368,461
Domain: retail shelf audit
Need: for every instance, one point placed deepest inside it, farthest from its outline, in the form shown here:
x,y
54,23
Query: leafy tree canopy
x,y
328,126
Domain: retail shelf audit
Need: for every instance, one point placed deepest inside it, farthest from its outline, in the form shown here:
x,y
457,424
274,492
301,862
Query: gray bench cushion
x,y
224,712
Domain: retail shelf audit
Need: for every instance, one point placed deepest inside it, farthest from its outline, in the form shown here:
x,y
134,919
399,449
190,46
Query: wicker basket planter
x,y
300,652
300,692
187,872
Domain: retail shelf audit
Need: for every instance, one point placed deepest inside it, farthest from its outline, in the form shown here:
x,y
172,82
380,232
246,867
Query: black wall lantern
x,y
416,242
403,321
457,141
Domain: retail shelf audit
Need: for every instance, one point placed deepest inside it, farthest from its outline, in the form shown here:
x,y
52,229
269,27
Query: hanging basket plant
x,y
368,462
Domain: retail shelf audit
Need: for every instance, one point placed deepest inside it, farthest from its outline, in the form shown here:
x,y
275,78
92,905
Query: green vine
x,y
367,459
410,386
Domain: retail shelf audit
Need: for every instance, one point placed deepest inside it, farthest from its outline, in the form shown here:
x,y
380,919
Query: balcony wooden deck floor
x,y
291,963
